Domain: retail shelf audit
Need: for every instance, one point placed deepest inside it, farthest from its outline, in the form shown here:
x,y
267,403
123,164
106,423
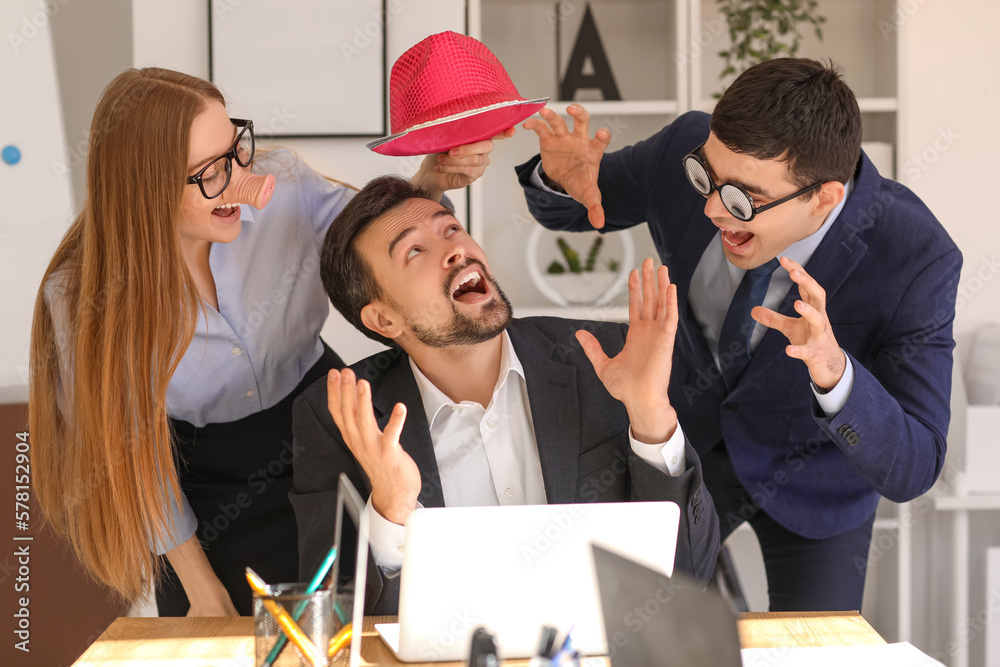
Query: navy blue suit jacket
x,y
891,274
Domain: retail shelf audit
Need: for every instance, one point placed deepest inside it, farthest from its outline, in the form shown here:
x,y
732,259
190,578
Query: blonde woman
x,y
174,326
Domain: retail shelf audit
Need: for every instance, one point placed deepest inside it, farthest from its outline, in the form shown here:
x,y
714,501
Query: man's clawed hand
x,y
571,158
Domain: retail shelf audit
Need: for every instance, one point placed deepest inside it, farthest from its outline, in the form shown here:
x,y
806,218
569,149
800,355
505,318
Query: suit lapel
x,y
555,407
832,263
396,385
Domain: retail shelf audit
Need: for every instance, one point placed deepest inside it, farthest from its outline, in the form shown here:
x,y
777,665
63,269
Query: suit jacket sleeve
x,y
894,425
698,536
627,180
698,533
320,456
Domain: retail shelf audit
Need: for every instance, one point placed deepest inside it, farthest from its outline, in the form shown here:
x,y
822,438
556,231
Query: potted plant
x,y
582,283
761,30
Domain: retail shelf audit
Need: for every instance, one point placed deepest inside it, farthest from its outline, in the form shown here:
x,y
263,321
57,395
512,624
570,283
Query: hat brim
x,y
468,127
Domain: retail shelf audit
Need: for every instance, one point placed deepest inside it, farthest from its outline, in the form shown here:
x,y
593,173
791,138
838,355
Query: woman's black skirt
x,y
236,477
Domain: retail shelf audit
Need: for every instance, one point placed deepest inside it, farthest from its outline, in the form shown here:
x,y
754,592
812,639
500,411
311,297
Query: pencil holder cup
x,y
312,613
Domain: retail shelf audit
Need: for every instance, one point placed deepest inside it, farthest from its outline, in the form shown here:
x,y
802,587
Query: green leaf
x,y
595,250
763,29
555,267
572,257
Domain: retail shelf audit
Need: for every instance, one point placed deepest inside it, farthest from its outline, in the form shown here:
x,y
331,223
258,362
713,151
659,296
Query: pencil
x,y
340,640
313,586
285,621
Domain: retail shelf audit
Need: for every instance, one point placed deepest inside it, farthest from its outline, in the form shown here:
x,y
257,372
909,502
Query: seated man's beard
x,y
465,330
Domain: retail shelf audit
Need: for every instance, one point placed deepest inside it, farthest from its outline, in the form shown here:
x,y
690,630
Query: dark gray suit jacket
x,y
580,429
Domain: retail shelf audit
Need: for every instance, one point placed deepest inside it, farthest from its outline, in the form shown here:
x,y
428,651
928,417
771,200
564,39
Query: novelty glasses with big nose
x,y
214,178
737,201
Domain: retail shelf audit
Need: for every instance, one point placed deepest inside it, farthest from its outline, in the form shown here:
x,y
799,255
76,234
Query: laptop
x,y
514,569
651,618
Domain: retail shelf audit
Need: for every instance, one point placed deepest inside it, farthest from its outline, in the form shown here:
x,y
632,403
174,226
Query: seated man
x,y
472,407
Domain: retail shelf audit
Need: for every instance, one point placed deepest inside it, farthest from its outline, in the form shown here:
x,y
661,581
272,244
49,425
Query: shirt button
x,y
490,423
250,393
237,351
509,493
673,461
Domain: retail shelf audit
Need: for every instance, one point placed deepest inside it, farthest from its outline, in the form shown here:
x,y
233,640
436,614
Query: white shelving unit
x,y
624,108
961,505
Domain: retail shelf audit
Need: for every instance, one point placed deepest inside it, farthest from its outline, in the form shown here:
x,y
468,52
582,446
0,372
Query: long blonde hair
x,y
104,459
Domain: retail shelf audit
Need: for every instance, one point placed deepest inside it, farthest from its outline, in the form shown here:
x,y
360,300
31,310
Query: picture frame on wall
x,y
301,68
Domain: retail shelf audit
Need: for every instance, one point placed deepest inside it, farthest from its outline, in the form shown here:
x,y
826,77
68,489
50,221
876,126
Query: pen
x,y
313,586
288,626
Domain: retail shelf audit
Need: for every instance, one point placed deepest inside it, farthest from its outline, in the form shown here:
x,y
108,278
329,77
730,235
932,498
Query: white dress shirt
x,y
489,456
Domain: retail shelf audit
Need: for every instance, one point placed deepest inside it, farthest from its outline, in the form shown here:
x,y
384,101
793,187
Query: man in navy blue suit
x,y
837,391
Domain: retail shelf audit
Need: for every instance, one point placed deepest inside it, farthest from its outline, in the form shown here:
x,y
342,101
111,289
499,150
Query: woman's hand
x,y
215,603
205,593
456,168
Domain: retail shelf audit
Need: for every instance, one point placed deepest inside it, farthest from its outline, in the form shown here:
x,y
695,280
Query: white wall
x,y
92,43
35,199
950,88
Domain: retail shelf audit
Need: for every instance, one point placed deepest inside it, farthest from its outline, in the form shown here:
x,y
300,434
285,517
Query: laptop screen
x,y
351,524
651,618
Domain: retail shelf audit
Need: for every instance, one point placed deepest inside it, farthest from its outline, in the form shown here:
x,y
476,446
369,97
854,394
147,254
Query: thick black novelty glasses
x,y
737,201
214,178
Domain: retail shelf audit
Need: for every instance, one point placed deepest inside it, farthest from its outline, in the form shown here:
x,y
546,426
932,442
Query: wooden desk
x,y
228,642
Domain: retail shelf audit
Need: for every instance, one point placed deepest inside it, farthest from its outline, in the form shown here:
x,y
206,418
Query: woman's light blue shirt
x,y
252,352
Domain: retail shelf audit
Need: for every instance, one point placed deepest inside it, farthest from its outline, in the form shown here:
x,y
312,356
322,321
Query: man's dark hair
x,y
797,109
348,279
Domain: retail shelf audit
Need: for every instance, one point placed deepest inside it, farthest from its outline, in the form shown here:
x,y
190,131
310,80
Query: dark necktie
x,y
734,339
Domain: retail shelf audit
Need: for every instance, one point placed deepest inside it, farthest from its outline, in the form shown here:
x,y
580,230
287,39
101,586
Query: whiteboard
x,y
301,68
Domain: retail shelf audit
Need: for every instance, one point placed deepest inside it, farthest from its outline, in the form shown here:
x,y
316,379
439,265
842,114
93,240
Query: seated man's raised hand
x,y
639,375
394,476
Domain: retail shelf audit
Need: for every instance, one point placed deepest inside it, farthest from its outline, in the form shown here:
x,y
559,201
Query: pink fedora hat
x,y
449,90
